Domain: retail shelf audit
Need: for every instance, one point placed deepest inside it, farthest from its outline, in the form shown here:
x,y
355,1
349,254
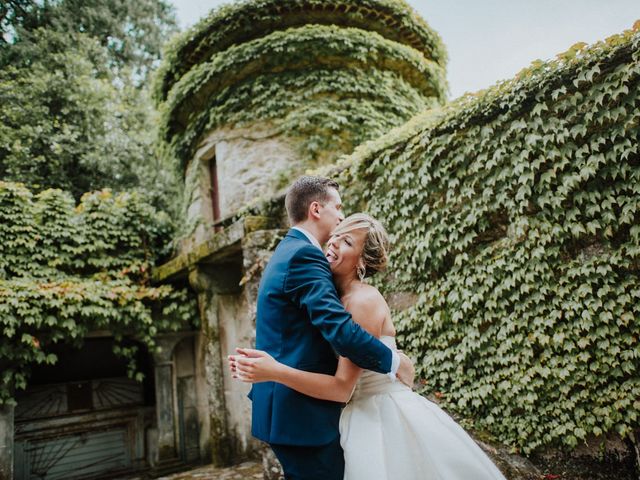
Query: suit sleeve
x,y
310,284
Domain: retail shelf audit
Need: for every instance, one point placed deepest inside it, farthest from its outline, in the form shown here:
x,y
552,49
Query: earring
x,y
361,271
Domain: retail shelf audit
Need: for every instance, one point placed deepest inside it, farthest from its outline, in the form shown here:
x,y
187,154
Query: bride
x,y
386,430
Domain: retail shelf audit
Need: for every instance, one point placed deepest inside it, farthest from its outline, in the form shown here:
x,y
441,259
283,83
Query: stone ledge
x,y
220,245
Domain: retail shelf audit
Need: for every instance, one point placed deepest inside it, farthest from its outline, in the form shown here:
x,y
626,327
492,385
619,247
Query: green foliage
x,y
244,21
66,271
74,114
54,121
131,32
515,216
327,86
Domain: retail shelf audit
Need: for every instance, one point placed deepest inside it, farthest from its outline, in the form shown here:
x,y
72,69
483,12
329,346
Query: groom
x,y
301,323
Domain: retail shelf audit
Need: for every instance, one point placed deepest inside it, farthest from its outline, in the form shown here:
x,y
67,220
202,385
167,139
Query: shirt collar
x,y
311,238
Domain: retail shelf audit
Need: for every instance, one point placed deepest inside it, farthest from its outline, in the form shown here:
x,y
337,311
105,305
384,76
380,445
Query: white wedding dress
x,y
388,432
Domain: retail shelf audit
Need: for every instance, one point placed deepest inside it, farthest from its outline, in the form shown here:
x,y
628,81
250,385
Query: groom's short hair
x,y
303,192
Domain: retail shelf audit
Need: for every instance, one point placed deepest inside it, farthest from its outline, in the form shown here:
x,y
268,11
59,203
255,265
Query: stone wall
x,y
252,164
236,329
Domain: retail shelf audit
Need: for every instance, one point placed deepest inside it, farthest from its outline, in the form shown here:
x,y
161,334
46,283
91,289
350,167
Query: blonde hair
x,y
376,244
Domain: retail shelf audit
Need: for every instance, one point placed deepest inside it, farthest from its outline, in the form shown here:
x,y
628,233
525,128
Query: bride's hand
x,y
406,372
253,366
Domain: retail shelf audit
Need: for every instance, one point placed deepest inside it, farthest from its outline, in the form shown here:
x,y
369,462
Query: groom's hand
x,y
405,371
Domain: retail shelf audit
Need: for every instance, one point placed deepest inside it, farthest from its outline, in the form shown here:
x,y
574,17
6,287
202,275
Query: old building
x,y
255,94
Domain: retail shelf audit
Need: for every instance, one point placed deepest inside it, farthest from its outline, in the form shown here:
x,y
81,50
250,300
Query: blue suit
x,y
301,323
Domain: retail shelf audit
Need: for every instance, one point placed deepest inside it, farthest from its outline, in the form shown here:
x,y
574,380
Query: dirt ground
x,y
244,471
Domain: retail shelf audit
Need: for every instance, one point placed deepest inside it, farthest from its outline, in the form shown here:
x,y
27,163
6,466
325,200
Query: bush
x,y
66,271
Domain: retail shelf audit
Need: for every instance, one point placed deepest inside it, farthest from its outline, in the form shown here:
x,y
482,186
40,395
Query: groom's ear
x,y
314,210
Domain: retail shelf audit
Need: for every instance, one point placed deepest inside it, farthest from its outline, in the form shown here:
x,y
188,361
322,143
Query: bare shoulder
x,y
367,297
368,308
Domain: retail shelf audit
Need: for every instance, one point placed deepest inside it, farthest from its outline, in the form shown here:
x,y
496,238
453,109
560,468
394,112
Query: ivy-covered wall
x,y
247,20
262,90
515,219
67,270
331,87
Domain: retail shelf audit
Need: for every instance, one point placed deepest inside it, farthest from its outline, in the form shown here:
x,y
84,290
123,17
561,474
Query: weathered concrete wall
x,y
252,168
236,329
202,388
210,364
6,442
226,323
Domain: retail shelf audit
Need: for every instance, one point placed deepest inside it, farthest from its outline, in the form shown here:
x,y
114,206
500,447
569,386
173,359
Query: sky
x,y
492,40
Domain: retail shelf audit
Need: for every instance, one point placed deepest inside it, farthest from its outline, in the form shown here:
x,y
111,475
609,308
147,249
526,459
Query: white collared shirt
x,y
395,358
307,234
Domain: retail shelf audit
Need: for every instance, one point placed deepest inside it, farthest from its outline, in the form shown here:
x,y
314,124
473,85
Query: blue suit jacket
x,y
301,323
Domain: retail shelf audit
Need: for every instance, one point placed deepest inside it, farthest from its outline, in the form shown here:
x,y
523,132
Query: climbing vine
x,y
515,217
331,87
67,270
247,20
514,212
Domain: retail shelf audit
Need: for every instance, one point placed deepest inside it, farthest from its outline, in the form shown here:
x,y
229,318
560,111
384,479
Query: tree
x,y
74,105
132,32
53,113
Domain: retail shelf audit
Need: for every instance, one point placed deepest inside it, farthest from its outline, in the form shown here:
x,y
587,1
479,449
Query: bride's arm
x,y
254,366
368,309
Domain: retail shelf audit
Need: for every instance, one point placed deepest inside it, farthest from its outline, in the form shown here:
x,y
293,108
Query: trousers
x,y
325,462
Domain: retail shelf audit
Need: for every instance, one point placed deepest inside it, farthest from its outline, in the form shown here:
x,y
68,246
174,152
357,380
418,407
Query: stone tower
x,y
255,94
